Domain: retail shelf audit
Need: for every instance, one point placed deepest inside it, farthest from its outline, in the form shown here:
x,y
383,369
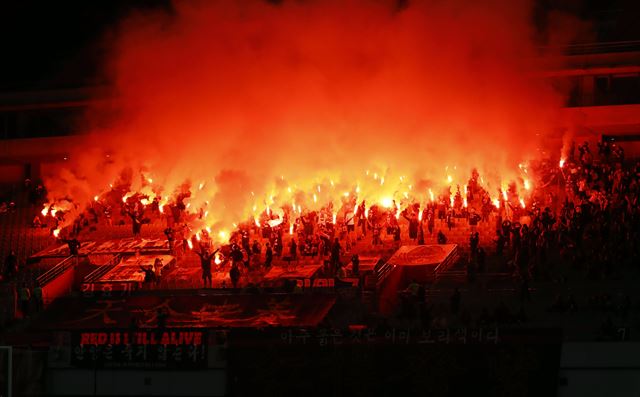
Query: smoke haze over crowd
x,y
252,97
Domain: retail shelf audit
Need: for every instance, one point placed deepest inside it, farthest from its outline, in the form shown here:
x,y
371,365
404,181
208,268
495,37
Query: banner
x,y
166,348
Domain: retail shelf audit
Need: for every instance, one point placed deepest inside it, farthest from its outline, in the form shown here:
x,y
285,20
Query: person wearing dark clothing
x,y
277,246
336,249
506,230
420,234
136,223
74,246
431,223
205,264
293,250
170,237
474,241
25,298
37,298
501,240
515,235
236,254
149,275
355,264
413,227
255,248
234,275
268,257
376,230
442,239
11,266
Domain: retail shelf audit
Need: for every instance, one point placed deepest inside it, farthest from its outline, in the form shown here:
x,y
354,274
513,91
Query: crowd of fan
x,y
584,216
586,219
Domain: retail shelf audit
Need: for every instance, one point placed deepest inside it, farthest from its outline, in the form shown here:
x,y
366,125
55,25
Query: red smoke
x,y
240,94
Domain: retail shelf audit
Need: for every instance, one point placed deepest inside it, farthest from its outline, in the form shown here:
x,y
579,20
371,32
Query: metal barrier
x,y
102,270
55,271
381,271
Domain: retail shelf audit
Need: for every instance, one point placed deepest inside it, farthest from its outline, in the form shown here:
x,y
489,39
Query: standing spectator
x,y
293,250
170,237
255,248
335,254
157,269
25,298
268,258
149,276
355,264
11,266
73,244
37,297
205,264
234,275
442,239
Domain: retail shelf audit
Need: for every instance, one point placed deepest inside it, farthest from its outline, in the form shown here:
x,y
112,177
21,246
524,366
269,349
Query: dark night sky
x,y
60,44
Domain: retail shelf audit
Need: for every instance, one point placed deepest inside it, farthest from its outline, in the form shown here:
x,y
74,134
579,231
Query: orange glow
x,y
56,233
348,127
291,229
561,163
190,244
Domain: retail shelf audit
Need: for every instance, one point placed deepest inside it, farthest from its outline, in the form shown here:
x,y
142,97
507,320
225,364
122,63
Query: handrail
x,y
382,273
102,269
55,271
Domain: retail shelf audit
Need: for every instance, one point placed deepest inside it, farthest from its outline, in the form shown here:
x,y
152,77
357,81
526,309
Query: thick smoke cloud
x,y
239,94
